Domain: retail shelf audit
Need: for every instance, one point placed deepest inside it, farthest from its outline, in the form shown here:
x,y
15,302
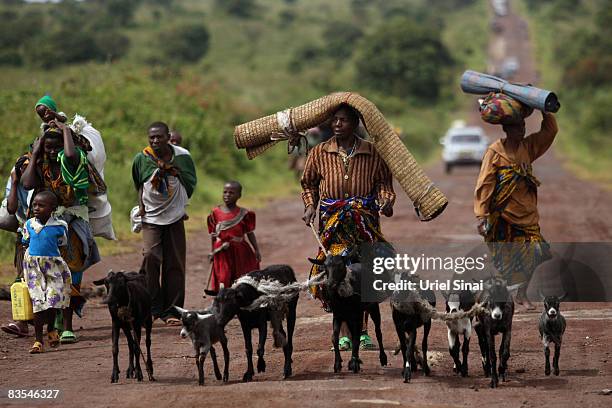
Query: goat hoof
x,y
129,373
556,371
426,371
337,367
201,383
261,365
247,377
354,365
151,378
225,378
547,371
383,359
287,373
406,376
494,383
464,373
218,376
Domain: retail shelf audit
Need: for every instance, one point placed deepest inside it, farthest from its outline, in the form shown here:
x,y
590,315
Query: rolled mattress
x,y
257,136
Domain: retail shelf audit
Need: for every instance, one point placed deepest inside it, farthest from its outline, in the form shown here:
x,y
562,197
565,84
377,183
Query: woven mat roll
x,y
255,137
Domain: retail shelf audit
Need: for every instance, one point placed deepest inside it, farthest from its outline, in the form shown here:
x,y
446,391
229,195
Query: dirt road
x,y
571,210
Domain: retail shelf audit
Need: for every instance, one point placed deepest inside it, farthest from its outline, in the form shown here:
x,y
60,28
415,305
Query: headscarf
x,y
47,101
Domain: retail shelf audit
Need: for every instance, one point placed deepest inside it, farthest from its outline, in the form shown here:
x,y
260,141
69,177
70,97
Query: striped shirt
x,y
325,175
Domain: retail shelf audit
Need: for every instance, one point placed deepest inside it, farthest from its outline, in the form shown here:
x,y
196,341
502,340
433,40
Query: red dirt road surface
x,y
571,210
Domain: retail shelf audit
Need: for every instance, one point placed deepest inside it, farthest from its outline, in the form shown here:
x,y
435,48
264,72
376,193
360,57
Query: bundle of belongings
x,y
500,109
88,139
507,103
259,135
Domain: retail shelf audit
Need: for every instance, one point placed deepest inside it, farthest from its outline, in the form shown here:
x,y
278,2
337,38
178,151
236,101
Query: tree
x,y
340,38
404,58
238,8
187,43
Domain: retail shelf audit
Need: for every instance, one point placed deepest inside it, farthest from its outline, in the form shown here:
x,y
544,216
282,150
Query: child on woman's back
x,y
45,271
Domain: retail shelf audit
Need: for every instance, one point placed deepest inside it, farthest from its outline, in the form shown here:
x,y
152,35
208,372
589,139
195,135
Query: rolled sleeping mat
x,y
259,135
481,84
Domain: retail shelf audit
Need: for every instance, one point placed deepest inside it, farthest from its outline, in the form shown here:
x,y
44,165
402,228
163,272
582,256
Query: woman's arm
x,y
12,201
70,152
30,179
251,236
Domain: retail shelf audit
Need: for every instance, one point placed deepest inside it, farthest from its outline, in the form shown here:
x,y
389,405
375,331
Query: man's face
x,y
45,113
231,194
515,132
342,124
158,139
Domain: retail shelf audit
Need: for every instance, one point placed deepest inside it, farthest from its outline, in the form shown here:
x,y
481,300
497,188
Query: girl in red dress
x,y
229,227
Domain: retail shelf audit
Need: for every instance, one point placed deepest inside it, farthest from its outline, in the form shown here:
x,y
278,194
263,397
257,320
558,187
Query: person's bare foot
x,y
522,300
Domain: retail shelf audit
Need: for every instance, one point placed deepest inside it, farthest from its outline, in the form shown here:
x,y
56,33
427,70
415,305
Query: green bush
x,y
186,43
341,39
238,8
404,59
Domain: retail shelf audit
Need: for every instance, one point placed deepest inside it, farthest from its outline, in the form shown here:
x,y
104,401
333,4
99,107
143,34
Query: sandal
x,y
365,342
345,344
37,348
16,329
68,337
54,339
172,321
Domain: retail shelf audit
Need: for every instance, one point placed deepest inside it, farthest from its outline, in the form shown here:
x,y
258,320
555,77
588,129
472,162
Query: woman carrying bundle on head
x,y
57,165
505,200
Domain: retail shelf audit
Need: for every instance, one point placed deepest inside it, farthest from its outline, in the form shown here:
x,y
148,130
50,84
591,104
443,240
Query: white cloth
x,y
164,210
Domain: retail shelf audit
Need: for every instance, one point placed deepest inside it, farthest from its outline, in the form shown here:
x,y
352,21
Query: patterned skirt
x,y
517,251
49,280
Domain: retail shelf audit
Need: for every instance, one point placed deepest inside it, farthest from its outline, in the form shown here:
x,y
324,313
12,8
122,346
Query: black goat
x,y
410,312
204,330
342,294
233,301
497,300
552,327
459,301
129,304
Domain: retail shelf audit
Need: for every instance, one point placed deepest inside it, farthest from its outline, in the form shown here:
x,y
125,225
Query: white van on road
x,y
463,145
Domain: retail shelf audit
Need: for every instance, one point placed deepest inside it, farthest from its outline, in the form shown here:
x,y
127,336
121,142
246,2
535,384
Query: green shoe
x,y
365,342
68,337
344,344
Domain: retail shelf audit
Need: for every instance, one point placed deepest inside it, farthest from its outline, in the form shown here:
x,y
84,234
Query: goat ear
x,y
319,262
514,288
99,282
541,295
563,296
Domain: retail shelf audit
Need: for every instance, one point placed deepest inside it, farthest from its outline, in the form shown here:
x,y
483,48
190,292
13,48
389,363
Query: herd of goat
x,y
489,313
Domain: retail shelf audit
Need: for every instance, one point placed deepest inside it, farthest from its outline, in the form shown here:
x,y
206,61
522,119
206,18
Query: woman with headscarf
x,y
56,164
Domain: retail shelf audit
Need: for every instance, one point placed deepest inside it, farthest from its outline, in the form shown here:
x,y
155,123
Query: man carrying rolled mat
x,y
505,203
352,185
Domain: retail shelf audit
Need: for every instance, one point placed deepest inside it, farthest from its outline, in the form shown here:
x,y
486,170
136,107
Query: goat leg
x,y
213,356
504,354
201,359
355,329
375,316
546,359
137,350
116,328
402,346
465,349
335,339
484,349
288,347
261,345
148,327
130,341
556,358
492,358
248,345
453,350
223,341
424,345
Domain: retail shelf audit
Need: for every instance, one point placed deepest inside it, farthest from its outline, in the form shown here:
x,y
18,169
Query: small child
x,y
232,256
46,272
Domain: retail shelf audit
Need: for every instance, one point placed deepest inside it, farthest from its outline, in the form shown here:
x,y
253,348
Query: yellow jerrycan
x,y
21,302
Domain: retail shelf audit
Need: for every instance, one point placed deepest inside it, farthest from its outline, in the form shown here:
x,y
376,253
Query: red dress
x,y
233,256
